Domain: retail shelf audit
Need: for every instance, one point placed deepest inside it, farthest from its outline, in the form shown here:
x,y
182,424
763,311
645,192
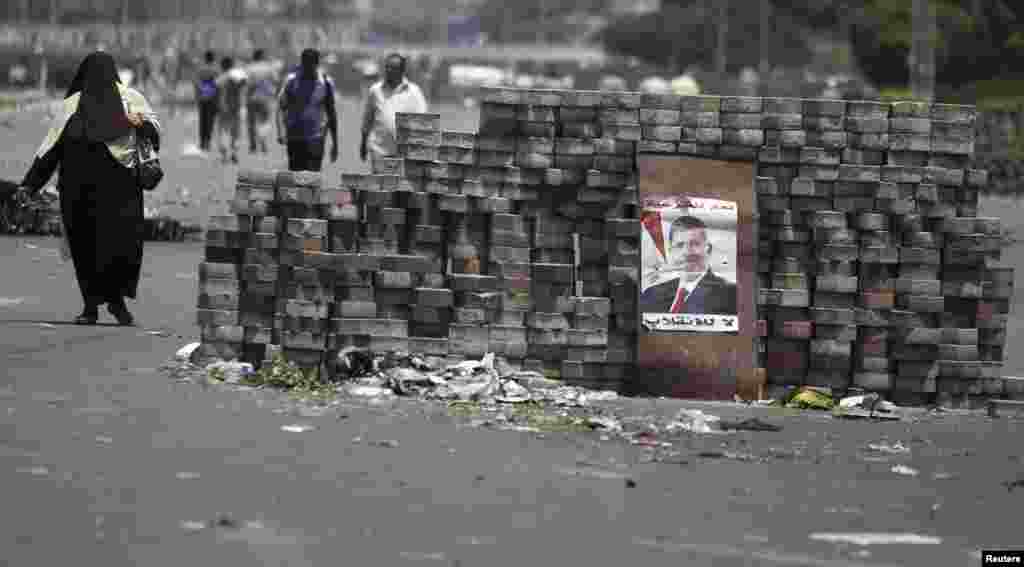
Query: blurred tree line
x,y
972,40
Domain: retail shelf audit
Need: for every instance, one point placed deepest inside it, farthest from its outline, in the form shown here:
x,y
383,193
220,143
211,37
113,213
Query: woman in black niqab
x,y
101,115
101,202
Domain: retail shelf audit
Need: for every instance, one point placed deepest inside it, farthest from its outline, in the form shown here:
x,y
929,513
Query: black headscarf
x,y
101,115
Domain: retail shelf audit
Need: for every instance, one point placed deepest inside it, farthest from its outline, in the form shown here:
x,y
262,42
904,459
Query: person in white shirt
x,y
387,97
231,85
697,290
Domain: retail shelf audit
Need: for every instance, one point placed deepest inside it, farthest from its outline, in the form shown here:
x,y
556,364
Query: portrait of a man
x,y
688,285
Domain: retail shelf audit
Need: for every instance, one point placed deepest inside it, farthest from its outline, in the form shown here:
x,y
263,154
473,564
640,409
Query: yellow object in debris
x,y
810,398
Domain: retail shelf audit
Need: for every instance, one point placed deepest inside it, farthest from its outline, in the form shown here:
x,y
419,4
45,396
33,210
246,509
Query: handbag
x,y
148,172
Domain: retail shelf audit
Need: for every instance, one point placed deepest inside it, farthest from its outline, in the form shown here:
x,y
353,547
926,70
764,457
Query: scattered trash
x,y
606,423
809,397
193,525
730,455
905,470
231,372
752,424
695,421
297,428
876,538
1012,484
354,362
870,406
186,352
225,521
893,449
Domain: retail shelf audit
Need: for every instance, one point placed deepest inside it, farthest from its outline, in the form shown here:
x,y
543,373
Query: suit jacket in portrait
x,y
713,296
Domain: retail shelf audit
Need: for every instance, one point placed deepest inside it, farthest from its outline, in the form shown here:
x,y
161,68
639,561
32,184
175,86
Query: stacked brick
x,y
872,258
523,239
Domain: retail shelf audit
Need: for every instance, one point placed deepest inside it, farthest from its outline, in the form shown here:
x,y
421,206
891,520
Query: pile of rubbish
x,y
487,379
860,406
361,373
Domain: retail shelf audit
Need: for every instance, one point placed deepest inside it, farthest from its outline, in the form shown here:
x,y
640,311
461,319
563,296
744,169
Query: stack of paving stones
x,y
523,240
875,270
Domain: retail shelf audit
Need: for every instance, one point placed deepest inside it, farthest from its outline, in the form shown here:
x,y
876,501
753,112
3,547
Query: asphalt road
x,y
105,460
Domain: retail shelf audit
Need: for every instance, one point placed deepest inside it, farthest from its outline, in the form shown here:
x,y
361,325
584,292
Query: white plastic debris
x,y
186,352
298,428
602,396
604,422
892,449
364,391
877,538
905,470
695,421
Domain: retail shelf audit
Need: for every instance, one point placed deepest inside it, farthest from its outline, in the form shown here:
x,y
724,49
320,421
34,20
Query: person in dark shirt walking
x,y
306,108
207,98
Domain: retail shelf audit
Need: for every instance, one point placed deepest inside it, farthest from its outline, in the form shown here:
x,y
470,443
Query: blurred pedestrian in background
x,y
207,98
260,91
394,94
170,68
306,112
17,74
231,87
92,142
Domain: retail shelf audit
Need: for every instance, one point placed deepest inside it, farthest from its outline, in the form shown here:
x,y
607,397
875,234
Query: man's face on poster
x,y
688,251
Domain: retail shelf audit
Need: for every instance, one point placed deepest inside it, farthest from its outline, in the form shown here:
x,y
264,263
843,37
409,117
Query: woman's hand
x,y
135,119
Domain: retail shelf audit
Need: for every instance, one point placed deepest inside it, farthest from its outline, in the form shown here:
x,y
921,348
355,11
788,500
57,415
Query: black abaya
x,y
101,204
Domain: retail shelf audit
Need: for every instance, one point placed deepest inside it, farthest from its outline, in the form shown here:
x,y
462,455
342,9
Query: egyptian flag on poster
x,y
651,220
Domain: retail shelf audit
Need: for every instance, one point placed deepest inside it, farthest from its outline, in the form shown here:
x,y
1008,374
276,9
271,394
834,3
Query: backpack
x,y
207,89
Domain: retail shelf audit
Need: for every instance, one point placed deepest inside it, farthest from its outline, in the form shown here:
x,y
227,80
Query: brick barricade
x,y
523,239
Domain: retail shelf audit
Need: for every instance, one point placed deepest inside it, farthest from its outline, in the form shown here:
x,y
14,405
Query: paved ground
x,y
103,458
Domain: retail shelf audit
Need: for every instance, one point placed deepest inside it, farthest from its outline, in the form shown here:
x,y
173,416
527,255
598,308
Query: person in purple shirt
x,y
306,108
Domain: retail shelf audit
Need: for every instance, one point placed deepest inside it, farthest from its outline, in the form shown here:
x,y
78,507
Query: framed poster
x,y
688,264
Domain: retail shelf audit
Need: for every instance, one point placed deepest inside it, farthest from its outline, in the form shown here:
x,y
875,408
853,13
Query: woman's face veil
x,y
100,109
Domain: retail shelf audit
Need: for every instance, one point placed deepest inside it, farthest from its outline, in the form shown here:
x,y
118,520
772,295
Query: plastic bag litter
x,y
186,352
512,392
869,402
